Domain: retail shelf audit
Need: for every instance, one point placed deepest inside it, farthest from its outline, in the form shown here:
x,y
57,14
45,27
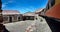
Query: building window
x,y
5,18
32,18
52,2
19,19
29,18
47,6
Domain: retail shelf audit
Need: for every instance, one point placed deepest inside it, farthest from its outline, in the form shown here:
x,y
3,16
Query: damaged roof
x,y
10,12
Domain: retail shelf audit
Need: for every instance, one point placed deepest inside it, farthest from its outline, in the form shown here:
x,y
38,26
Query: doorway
x,y
10,19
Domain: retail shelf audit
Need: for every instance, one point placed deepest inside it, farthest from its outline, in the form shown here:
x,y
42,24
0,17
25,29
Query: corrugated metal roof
x,y
39,10
10,12
29,14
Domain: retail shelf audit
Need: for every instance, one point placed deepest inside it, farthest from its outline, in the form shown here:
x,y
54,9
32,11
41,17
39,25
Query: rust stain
x,y
54,11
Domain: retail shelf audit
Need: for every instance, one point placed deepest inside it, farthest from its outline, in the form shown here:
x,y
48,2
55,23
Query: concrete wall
x,y
14,18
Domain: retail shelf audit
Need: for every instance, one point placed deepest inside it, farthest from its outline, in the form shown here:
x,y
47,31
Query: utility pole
x,y
1,18
2,27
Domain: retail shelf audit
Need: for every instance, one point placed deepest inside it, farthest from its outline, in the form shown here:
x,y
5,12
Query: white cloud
x,y
28,9
3,5
31,8
11,1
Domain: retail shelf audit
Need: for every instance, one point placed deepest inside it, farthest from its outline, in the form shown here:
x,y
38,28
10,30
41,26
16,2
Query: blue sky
x,y
23,6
